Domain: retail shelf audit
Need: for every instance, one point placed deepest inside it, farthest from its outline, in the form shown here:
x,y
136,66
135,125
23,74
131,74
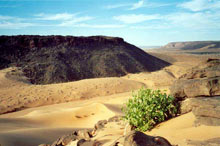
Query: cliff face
x,y
54,59
193,45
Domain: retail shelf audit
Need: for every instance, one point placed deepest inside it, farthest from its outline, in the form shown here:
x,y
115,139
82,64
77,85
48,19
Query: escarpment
x,y
55,59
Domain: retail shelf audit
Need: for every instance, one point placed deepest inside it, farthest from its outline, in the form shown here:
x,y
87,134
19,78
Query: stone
x,y
136,138
115,119
84,134
206,110
182,89
83,142
65,140
100,124
209,142
40,145
202,80
204,102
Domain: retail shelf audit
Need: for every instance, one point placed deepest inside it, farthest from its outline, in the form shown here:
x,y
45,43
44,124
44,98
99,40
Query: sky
x,y
139,22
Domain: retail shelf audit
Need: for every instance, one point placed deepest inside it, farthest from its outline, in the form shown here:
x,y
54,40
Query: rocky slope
x,y
194,45
54,59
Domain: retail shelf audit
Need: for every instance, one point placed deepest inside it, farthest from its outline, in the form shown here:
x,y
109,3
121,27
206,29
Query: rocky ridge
x,y
91,138
193,45
199,91
55,59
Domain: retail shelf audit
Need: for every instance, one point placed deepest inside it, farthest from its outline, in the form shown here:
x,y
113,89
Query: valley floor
x,y
35,114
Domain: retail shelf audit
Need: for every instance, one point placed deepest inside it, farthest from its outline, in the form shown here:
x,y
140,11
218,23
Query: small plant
x,y
148,108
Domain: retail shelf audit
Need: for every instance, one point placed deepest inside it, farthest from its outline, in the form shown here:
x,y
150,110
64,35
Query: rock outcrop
x,y
54,59
199,90
203,80
93,138
206,110
194,45
136,138
209,142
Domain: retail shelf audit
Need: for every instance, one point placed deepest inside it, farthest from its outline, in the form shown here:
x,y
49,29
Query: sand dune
x,y
45,124
18,95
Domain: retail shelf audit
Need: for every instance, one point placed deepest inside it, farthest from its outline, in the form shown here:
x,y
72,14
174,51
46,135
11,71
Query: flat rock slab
x,y
191,88
209,142
206,110
202,80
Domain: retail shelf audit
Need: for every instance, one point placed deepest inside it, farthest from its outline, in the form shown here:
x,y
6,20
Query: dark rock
x,y
83,142
209,142
115,119
100,124
64,140
40,145
84,134
54,59
136,138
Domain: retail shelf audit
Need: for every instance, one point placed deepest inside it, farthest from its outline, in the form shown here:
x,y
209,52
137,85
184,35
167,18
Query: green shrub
x,y
148,108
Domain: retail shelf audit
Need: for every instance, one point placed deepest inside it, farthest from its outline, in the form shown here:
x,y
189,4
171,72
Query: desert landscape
x,y
47,97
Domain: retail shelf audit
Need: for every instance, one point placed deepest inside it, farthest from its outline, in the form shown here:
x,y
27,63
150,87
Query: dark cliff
x,y
54,59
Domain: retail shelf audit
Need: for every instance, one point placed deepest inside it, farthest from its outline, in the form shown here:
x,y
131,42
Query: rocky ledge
x,y
199,92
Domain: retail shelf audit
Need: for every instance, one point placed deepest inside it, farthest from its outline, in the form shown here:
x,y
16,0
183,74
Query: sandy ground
x,y
46,112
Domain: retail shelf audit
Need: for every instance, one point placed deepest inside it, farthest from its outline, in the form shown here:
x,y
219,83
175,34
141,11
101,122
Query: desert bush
x,y
148,108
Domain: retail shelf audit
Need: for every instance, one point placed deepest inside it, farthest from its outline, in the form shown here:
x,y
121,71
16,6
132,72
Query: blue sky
x,y
140,22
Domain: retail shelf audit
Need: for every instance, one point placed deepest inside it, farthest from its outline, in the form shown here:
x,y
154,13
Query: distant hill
x,y
54,59
149,47
194,45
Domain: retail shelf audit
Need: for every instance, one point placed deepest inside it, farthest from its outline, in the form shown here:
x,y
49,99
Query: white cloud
x,y
99,26
200,5
75,20
67,19
196,20
152,26
137,5
133,18
59,16
10,22
15,25
6,17
116,6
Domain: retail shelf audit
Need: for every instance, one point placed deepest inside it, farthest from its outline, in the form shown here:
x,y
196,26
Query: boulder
x,y
200,102
84,134
115,119
209,142
40,145
100,124
206,110
136,138
182,89
209,68
83,142
203,80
